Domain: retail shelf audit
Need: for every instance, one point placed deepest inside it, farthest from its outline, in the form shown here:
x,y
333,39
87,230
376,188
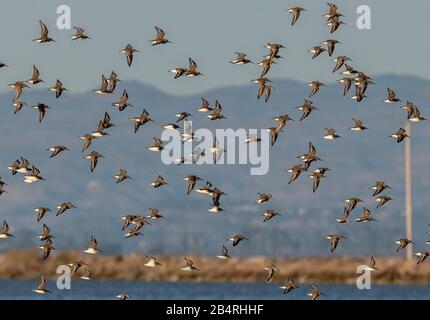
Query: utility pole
x,y
408,190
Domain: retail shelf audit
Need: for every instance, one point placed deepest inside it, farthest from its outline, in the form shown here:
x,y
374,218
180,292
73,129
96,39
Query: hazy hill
x,y
357,160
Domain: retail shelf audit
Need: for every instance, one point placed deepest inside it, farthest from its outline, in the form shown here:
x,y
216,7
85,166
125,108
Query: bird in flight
x,y
42,289
43,34
79,34
129,53
334,240
295,11
160,37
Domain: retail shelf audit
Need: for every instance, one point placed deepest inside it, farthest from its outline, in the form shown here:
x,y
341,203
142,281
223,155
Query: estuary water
x,y
106,290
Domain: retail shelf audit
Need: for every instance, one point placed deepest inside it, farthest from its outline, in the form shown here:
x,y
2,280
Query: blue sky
x,y
210,32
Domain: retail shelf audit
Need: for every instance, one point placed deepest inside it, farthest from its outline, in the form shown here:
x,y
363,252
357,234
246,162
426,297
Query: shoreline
x,y
28,264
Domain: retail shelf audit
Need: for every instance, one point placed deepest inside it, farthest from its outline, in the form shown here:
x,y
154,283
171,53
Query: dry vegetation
x,y
28,264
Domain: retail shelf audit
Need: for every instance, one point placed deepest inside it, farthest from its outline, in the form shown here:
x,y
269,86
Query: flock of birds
x,y
133,224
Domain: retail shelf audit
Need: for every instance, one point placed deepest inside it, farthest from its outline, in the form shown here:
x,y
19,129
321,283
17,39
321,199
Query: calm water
x,y
22,289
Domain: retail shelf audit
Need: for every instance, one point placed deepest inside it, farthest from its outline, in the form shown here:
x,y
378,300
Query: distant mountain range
x,y
357,161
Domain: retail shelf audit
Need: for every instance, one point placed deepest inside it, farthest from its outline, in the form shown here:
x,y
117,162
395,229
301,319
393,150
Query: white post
x,y
408,190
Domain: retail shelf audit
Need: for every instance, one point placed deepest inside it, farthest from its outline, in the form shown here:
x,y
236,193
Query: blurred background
x,y
393,52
